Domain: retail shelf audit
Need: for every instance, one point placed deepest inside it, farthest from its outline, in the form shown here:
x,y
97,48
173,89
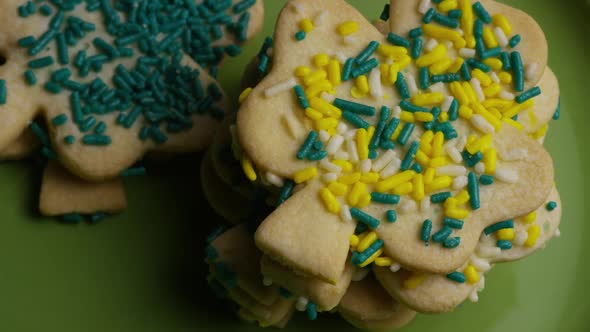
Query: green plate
x,y
143,270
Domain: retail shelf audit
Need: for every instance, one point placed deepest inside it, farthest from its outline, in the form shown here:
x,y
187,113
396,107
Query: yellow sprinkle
x,y
469,92
462,197
500,104
471,274
302,71
505,234
383,261
426,138
447,5
354,241
425,99
471,138
480,144
505,77
367,241
344,164
370,178
306,25
422,158
248,169
489,160
395,180
541,132
532,118
392,51
492,90
362,83
494,63
443,117
483,78
528,104
429,175
439,183
414,280
451,203
440,67
364,201
407,117
313,114
418,184
349,179
338,189
500,21
305,175
470,41
244,95
466,17
356,93
396,133
457,213
321,60
495,113
325,108
348,28
479,109
384,70
404,188
404,61
370,133
488,38
459,93
513,123
315,89
531,217
372,258
362,144
439,161
534,231
315,76
330,202
357,190
438,53
393,72
456,66
326,124
439,32
437,144
334,75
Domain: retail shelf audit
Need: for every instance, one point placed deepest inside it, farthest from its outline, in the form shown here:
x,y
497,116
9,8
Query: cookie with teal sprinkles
x,y
363,128
116,80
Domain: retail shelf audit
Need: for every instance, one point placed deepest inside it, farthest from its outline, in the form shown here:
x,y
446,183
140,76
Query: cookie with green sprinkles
x,y
130,77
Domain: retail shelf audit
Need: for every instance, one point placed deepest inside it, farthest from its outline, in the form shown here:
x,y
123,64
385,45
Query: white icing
x,y
283,86
425,204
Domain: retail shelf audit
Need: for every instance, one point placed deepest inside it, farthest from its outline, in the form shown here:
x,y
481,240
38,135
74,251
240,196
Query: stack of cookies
x,y
382,171
91,87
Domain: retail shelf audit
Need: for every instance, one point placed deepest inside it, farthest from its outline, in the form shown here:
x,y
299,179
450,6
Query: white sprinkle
x,y
424,6
431,44
449,44
481,265
293,125
324,136
409,206
391,168
460,182
501,36
359,273
514,154
329,177
506,95
473,297
383,160
341,155
411,81
334,144
460,31
397,111
349,40
482,124
389,61
327,97
478,90
425,204
274,179
462,142
297,7
270,51
489,252
494,77
345,213
481,284
301,303
266,281
341,57
350,134
395,267
341,128
520,237
283,86
438,87
480,168
351,148
506,175
365,166
320,18
530,71
446,105
451,170
454,154
467,53
557,232
330,166
375,83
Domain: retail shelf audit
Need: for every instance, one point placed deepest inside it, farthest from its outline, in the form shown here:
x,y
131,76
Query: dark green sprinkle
x,y
96,140
405,133
355,120
557,113
385,13
45,10
69,140
504,244
311,311
415,33
26,41
284,293
473,189
453,223
353,107
452,242
398,40
498,226
135,171
286,191
426,230
100,128
514,41
365,54
41,62
384,198
30,77
98,217
410,155
407,106
427,18
482,13
62,49
59,120
486,180
364,218
416,48
3,92
457,277
61,75
442,234
88,123
48,153
391,216
72,218
402,86
440,197
551,206
52,87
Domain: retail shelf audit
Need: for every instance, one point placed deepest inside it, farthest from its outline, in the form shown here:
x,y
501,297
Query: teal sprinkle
x,y
347,69
353,107
398,40
366,53
23,12
30,77
373,154
498,226
41,62
300,35
98,217
452,242
517,70
384,198
440,197
551,206
407,106
514,41
402,86
445,21
415,33
62,49
365,67
61,75
478,28
3,92
158,136
424,78
454,110
390,129
471,160
311,311
479,65
427,18
435,114
391,216
301,98
486,180
426,230
505,58
466,72
455,13
445,78
385,13
45,10
416,48
410,155
285,293
504,244
557,113
100,128
286,191
26,41
480,47
457,277
48,153
355,120
364,218
405,133
482,13
442,234
135,171
453,223
491,53
69,140
98,140
317,155
531,93
473,189
52,87
88,123
72,218
42,42
307,145
360,258
417,168
241,6
59,120
383,116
